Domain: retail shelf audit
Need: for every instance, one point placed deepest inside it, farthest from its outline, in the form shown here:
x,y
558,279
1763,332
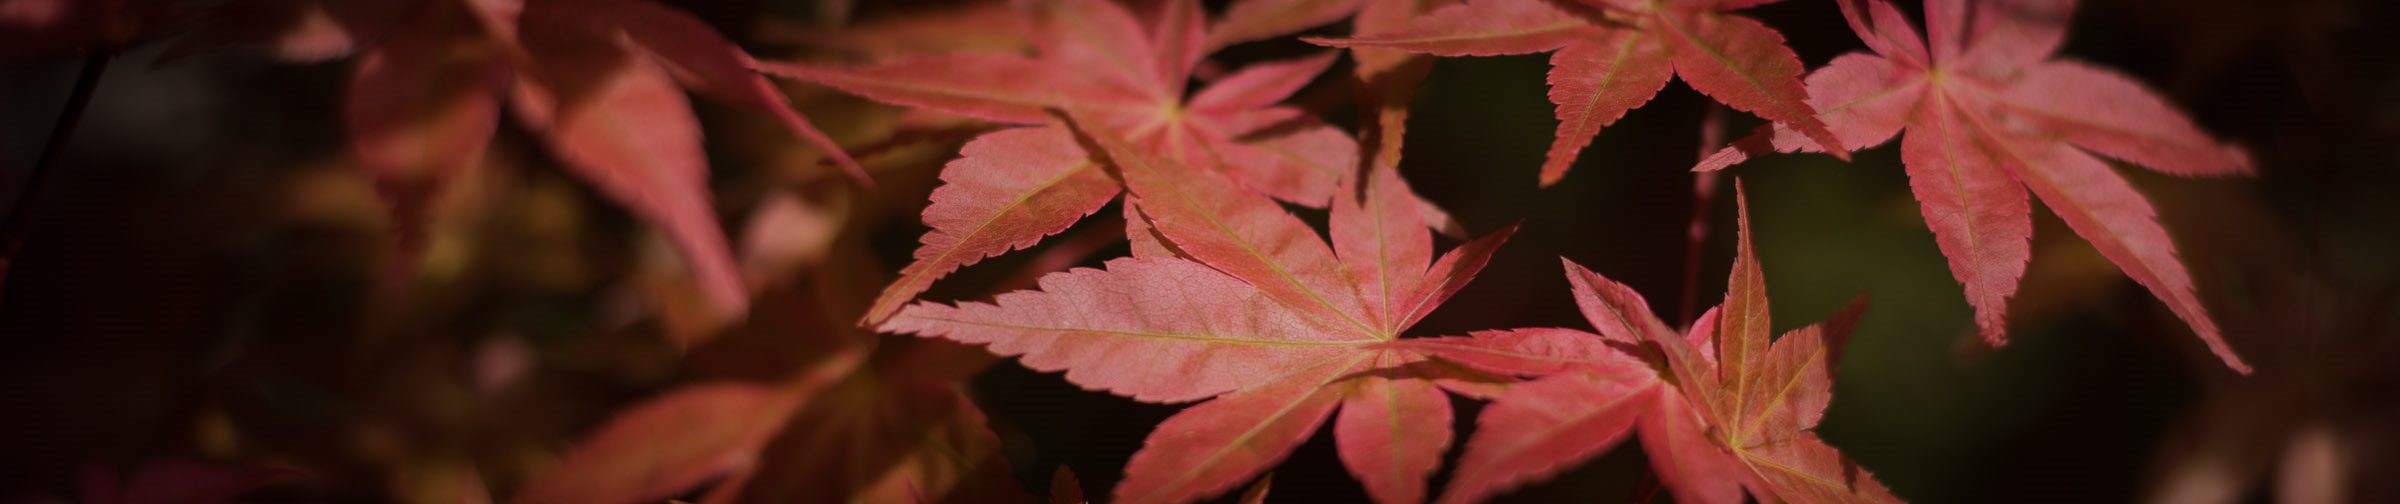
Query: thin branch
x,y
13,227
1695,232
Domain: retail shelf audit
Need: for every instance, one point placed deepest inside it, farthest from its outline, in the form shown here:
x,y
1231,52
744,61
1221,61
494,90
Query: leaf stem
x,y
1695,232
14,226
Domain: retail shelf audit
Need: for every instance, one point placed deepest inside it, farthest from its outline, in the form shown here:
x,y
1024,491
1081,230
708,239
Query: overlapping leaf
x,y
1718,409
597,80
1991,115
1276,329
1098,59
1613,56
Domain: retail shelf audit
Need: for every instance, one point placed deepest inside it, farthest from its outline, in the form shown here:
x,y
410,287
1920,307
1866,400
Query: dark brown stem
x,y
1695,232
13,228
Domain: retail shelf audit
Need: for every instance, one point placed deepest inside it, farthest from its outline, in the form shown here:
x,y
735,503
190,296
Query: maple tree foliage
x,y
1612,56
600,82
1991,115
1097,57
1719,409
1265,326
1256,314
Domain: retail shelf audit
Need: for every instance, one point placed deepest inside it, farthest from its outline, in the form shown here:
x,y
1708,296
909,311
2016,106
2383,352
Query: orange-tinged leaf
x,y
1007,190
1280,151
1742,324
1160,330
1209,448
1451,273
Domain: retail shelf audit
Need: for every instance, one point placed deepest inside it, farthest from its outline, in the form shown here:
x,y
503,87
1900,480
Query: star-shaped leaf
x,y
1991,115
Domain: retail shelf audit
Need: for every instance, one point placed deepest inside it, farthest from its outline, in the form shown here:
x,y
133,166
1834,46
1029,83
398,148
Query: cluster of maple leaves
x,y
1230,300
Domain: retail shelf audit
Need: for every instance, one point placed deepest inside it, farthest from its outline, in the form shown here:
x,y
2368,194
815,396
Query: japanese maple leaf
x,y
1614,55
1274,328
1012,188
598,81
1712,422
1991,115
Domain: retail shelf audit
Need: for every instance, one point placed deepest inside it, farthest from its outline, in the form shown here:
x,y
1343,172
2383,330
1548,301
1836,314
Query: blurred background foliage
x,y
201,282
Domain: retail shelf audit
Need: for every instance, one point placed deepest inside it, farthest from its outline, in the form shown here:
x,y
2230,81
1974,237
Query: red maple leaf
x,y
1012,188
1614,55
1990,115
598,81
1712,422
1265,320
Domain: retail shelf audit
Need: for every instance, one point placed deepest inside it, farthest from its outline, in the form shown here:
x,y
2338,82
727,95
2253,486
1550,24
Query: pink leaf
x,y
1249,20
1007,190
1261,85
1159,330
2118,221
1745,65
1391,435
667,445
1477,28
994,87
1242,234
1977,212
419,113
713,66
1593,82
1540,427
1695,469
1863,99
1209,448
1382,244
1524,352
2111,114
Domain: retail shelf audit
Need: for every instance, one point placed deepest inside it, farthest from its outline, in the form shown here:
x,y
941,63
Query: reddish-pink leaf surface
x,y
420,110
1710,429
659,448
1615,58
1251,20
1271,321
1116,72
1991,114
707,63
1544,426
1007,190
1392,432
596,81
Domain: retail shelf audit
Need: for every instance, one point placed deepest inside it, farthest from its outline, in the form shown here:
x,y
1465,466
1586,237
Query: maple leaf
x,y
1711,422
1010,189
1991,115
1273,327
597,80
1614,55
